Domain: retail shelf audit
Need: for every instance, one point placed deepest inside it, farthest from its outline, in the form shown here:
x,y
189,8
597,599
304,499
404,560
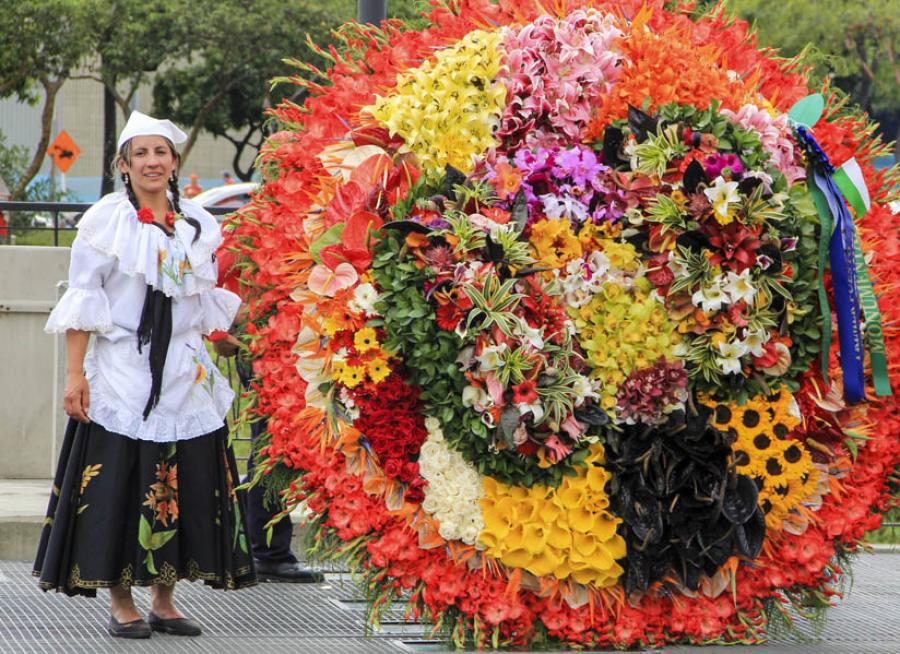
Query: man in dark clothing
x,y
275,561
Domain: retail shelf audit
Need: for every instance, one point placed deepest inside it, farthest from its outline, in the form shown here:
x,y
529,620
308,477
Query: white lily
x,y
721,195
755,340
491,357
583,390
740,287
730,361
533,336
537,410
709,298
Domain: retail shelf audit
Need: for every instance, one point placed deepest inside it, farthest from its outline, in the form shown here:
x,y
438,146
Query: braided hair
x,y
125,155
176,197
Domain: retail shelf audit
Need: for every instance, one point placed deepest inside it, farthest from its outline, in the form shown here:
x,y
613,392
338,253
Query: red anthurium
x,y
354,245
372,172
373,135
348,199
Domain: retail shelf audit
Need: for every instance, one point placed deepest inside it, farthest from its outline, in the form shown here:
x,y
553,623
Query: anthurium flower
x,y
722,195
354,245
325,281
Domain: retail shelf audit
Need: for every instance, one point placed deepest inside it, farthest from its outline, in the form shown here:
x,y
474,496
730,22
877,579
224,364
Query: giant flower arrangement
x,y
541,304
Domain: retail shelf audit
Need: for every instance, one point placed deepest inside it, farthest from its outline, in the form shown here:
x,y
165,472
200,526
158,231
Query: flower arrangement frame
x,y
536,310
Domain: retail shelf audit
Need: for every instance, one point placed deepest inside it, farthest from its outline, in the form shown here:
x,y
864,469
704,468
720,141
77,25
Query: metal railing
x,y
57,208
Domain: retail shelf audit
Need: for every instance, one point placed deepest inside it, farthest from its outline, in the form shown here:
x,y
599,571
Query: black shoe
x,y
287,572
174,626
134,629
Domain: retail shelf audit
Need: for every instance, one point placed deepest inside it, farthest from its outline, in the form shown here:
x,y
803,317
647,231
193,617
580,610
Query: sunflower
x,y
782,468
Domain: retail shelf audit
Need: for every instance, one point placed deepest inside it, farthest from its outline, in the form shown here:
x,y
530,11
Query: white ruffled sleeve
x,y
219,307
84,306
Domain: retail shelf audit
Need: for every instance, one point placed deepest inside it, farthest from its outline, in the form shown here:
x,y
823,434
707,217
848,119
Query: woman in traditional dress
x,y
144,490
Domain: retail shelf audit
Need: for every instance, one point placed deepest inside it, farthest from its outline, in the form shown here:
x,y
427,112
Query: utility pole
x,y
371,11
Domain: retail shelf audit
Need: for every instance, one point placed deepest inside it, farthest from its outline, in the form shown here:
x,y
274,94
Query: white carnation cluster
x,y
454,488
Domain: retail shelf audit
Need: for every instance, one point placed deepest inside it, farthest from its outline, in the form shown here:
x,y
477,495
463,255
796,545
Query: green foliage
x,y
233,49
42,45
855,43
40,39
429,354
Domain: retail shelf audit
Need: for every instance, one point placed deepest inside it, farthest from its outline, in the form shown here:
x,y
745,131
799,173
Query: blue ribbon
x,y
842,258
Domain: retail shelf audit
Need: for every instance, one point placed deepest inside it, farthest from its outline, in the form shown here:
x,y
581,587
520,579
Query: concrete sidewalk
x,y
23,503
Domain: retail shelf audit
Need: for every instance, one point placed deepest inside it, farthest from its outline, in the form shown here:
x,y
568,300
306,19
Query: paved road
x,y
298,619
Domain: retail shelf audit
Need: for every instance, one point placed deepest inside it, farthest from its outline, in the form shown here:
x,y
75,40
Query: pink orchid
x,y
495,389
572,427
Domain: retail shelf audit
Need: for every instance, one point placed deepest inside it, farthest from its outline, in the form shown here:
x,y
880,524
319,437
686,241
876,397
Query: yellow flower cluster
x,y
446,110
372,361
554,243
567,532
783,468
622,329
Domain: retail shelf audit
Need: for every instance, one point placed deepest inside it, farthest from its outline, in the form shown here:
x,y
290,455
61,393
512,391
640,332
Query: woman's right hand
x,y
77,397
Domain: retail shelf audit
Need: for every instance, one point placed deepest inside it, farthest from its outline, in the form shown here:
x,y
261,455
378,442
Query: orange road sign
x,y
63,151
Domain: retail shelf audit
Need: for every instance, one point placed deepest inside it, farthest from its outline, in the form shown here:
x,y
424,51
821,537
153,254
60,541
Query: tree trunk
x,y
51,88
109,141
199,122
897,145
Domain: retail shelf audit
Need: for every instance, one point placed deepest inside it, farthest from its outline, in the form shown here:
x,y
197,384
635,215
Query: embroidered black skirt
x,y
126,512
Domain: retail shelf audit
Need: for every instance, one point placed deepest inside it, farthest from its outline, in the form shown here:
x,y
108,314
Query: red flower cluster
x,y
392,422
145,215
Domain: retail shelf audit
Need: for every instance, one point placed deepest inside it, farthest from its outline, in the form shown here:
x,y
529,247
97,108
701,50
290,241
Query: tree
x,y
226,91
130,40
223,86
43,43
237,46
854,42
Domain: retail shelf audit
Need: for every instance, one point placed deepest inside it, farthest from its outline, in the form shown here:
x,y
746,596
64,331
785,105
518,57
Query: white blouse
x,y
114,257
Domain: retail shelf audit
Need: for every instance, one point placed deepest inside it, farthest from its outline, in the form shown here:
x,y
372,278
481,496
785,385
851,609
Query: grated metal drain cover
x,y
329,618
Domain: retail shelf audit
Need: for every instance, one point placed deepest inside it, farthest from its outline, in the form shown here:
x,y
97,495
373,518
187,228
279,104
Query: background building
x,y
79,111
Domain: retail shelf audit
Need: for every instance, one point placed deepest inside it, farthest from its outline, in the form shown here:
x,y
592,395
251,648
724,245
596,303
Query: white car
x,y
229,196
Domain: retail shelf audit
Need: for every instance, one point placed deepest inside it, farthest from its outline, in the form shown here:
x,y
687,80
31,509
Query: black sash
x,y
155,329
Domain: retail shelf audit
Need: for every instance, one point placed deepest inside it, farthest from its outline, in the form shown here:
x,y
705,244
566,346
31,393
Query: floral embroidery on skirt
x,y
132,512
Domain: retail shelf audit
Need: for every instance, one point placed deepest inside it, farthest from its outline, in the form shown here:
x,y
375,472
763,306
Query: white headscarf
x,y
143,125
